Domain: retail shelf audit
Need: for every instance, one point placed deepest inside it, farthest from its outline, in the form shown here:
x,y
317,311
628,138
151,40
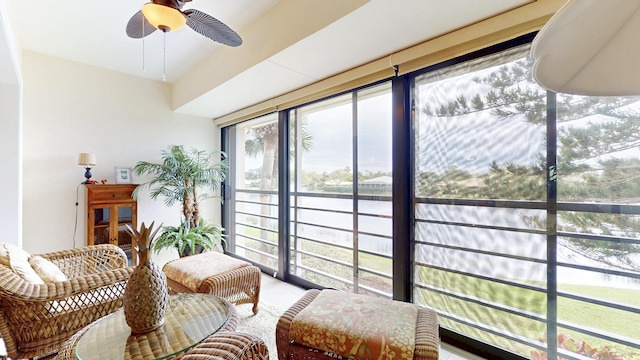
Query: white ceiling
x,y
93,32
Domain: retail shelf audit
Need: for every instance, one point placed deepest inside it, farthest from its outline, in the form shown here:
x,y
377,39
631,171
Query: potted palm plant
x,y
180,177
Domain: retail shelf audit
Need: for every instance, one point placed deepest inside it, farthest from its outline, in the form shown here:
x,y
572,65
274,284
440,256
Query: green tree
x,y
590,164
264,140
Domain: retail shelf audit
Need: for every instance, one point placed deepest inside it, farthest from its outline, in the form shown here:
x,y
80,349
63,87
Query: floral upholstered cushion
x,y
357,326
191,271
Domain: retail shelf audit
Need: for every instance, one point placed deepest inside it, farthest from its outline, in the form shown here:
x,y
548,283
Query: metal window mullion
x,y
257,202
608,272
251,191
228,141
354,187
402,194
283,195
256,215
552,229
328,244
598,237
297,179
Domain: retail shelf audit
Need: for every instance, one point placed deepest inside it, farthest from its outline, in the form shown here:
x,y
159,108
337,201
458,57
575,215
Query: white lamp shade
x,y
590,47
163,17
86,159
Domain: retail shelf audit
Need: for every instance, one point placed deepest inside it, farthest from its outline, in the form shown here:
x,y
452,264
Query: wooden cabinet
x,y
109,209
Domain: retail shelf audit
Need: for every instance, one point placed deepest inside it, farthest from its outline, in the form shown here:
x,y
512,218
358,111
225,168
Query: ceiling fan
x,y
166,16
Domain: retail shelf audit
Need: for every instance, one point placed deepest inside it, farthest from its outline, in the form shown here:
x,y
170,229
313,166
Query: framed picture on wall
x,y
123,175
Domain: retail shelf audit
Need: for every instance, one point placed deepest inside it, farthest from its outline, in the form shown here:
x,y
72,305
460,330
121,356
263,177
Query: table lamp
x,y
87,160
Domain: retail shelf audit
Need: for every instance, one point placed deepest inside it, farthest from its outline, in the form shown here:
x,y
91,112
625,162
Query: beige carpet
x,y
262,324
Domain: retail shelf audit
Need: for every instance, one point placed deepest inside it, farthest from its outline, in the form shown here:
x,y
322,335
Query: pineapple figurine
x,y
145,296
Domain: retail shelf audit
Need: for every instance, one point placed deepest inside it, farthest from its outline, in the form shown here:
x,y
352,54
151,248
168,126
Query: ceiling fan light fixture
x,y
163,17
590,47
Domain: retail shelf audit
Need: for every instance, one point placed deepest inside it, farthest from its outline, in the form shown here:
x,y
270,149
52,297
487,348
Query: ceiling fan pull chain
x,y
143,21
164,56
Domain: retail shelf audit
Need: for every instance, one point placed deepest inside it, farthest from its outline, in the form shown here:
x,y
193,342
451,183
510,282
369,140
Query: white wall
x,y
10,180
10,134
71,108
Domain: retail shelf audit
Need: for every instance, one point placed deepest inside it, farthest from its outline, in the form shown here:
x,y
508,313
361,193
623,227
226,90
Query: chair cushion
x,y
48,271
357,326
18,260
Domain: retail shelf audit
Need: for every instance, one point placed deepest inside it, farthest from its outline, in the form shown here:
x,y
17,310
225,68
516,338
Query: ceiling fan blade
x,y
212,28
138,26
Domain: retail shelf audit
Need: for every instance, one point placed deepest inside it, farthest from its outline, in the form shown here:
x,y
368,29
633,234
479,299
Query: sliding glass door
x,y
253,197
514,248
341,221
518,208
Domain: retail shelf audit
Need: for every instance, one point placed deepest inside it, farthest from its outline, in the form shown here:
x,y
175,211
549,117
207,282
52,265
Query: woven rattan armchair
x,y
229,346
35,319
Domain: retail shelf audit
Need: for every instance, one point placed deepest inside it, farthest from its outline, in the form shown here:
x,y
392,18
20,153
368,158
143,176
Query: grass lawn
x,y
583,314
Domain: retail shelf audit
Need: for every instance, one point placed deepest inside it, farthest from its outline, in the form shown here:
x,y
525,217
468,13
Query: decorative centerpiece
x,y
145,296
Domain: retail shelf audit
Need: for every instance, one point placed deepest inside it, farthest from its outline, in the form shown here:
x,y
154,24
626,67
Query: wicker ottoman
x,y
427,341
215,273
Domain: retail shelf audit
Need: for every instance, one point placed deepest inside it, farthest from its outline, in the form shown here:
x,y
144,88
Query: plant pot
x,y
187,251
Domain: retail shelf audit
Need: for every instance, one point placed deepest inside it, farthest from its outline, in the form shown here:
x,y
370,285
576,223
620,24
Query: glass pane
x,y
330,220
480,133
256,146
124,239
383,207
374,141
255,199
124,214
598,158
379,225
599,180
326,160
101,218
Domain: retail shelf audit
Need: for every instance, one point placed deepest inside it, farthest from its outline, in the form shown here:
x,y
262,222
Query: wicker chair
x,y
35,319
229,346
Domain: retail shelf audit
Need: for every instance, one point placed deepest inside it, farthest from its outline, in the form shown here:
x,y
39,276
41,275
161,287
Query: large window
x,y
599,222
496,254
480,263
341,185
519,213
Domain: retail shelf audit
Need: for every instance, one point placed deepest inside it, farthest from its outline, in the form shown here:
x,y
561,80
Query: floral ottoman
x,y
336,324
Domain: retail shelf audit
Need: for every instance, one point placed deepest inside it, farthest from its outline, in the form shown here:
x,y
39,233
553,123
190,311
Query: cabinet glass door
x,y
101,227
124,218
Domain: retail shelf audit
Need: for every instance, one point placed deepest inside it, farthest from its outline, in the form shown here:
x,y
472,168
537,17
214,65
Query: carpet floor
x,y
262,324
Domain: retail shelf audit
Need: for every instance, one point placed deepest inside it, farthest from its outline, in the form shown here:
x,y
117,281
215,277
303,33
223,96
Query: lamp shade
x,y
590,47
86,159
163,17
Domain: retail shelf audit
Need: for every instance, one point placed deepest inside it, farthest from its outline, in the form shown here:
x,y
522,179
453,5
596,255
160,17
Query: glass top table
x,y
190,318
